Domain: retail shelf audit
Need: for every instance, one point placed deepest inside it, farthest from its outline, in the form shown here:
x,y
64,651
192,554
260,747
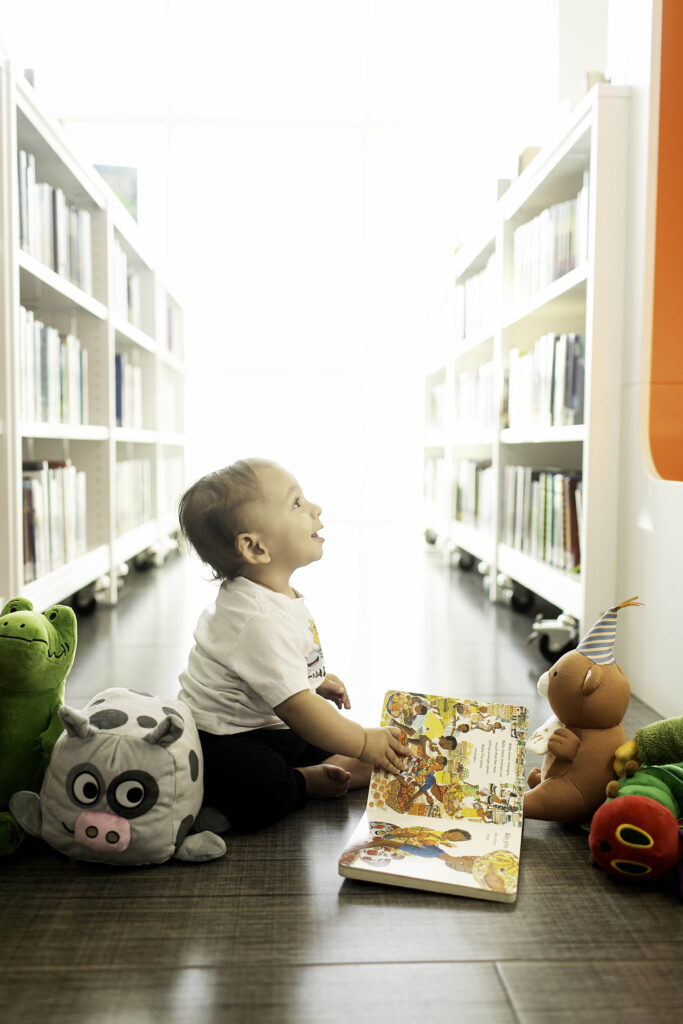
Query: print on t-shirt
x,y
315,660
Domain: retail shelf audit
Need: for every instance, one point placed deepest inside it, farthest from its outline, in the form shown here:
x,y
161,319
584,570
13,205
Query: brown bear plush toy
x,y
588,694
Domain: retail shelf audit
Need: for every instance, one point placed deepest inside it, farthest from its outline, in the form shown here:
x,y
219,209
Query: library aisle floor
x,y
270,933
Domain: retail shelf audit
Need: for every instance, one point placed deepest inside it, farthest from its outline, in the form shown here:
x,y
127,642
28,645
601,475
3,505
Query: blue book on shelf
x,y
118,361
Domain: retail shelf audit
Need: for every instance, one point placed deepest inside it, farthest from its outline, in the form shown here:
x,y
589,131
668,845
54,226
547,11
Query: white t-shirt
x,y
253,649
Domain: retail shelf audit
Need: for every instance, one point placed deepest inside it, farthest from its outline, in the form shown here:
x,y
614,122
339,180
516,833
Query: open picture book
x,y
451,820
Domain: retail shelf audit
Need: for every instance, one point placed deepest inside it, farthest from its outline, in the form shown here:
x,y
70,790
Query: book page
x,y
453,814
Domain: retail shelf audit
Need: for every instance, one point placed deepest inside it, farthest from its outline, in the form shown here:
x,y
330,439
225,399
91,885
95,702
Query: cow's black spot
x,y
141,693
172,711
184,828
109,718
194,766
94,703
146,721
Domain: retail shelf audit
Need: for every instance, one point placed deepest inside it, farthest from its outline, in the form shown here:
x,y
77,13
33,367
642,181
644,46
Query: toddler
x,y
255,680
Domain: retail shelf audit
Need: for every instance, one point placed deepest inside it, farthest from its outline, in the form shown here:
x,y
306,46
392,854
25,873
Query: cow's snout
x,y
99,830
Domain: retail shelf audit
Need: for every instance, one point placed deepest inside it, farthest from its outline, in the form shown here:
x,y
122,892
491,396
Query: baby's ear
x,y
250,548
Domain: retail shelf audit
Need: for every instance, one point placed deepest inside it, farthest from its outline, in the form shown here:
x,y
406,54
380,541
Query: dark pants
x,y
250,776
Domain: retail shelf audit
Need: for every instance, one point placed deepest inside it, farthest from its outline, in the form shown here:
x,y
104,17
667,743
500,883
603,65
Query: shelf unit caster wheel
x,y
87,601
522,600
465,561
549,653
555,636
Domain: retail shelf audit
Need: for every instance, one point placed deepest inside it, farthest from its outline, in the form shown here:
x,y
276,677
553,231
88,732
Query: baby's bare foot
x,y
325,780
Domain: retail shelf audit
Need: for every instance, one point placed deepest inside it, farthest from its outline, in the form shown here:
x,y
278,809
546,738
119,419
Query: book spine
x,y
23,200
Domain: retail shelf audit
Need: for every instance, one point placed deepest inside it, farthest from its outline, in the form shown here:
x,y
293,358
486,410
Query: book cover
x,y
451,820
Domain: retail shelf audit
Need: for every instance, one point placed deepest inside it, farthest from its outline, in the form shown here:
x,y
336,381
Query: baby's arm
x,y
317,721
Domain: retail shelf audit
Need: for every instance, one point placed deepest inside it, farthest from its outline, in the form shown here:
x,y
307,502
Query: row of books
x,y
542,513
475,408
53,373
434,487
128,390
134,505
435,406
475,303
545,386
54,515
174,331
551,244
51,229
473,493
127,298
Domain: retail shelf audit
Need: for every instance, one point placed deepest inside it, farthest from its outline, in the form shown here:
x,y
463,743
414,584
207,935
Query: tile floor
x,y
271,933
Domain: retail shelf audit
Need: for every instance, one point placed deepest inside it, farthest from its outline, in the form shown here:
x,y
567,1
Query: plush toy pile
x,y
636,836
36,653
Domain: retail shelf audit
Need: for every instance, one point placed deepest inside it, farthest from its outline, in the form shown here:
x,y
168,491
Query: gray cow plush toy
x,y
123,785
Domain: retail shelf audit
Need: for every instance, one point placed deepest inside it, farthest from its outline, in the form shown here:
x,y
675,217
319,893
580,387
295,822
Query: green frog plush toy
x,y
36,654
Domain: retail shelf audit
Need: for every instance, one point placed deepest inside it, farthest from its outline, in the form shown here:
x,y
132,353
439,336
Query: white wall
x,y
582,45
651,520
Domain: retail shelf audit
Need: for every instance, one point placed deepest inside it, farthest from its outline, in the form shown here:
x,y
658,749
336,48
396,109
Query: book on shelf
x,y
551,244
173,338
541,514
133,493
473,497
127,287
62,258
128,390
133,293
475,303
436,397
474,400
434,480
51,229
53,373
545,386
451,820
54,515
36,515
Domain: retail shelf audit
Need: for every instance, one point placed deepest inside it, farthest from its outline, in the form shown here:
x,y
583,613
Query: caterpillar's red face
x,y
635,838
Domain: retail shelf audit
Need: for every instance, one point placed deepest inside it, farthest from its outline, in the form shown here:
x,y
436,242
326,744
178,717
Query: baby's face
x,y
286,521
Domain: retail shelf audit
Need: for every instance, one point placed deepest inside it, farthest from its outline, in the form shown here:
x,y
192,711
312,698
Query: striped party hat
x,y
598,643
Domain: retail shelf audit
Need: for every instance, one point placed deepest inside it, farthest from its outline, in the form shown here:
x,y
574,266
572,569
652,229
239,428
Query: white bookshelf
x,y
589,150
93,306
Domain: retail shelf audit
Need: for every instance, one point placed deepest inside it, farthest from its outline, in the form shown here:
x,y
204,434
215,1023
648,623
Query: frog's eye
x,y
60,615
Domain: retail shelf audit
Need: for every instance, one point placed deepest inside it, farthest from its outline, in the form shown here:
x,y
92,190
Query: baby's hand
x,y
333,689
384,749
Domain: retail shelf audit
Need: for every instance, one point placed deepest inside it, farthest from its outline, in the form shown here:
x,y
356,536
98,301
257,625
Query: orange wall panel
x,y
666,369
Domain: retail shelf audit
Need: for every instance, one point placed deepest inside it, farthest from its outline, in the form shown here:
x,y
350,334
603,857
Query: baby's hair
x,y
211,514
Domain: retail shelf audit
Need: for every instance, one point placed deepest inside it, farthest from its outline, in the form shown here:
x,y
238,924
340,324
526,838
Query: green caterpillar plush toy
x,y
36,654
